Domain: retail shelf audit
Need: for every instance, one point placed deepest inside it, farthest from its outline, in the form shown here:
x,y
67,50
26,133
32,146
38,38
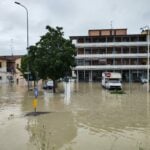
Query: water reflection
x,y
67,93
121,119
48,95
81,116
13,135
51,131
112,110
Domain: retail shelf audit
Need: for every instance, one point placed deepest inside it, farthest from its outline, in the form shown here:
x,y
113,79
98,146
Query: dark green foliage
x,y
117,92
53,56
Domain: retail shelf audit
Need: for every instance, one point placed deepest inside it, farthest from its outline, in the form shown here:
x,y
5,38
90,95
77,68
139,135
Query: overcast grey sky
x,y
75,16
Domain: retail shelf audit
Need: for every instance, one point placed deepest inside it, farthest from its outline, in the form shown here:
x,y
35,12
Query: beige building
x,y
8,69
111,50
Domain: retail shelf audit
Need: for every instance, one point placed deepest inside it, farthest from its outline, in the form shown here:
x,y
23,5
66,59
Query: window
x,y
87,51
0,78
80,51
17,65
134,38
80,40
80,62
125,39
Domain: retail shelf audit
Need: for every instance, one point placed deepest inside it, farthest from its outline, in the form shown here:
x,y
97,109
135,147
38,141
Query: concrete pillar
x,y
77,75
137,72
138,53
84,75
130,76
90,76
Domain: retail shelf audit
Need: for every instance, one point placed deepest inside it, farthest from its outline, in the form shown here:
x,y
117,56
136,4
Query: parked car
x,y
49,85
143,80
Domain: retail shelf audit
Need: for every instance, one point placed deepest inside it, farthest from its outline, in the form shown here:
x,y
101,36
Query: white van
x,y
111,80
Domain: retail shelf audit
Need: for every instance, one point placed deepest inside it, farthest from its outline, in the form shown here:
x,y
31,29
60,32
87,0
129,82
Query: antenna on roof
x,y
11,46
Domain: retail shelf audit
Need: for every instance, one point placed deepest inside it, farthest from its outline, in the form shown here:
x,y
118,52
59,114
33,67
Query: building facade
x,y
8,69
111,50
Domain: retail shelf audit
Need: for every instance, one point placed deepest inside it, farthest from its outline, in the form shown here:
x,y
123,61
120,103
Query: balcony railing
x,y
110,44
93,56
111,67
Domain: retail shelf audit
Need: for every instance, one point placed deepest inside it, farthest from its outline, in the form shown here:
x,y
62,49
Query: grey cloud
x,y
75,16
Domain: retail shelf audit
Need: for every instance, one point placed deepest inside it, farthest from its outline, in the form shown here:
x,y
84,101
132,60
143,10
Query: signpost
x,y
35,104
36,93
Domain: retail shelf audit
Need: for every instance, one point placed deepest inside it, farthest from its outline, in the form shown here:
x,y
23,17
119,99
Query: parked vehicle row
x,y
110,80
49,84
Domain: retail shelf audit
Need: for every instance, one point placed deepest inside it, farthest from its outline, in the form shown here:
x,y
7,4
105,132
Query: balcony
x,y
11,69
110,44
99,56
111,67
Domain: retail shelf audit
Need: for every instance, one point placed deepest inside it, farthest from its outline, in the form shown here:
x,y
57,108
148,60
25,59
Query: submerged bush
x,y
117,92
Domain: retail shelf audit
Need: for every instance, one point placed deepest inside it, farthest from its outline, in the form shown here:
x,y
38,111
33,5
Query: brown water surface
x,y
80,116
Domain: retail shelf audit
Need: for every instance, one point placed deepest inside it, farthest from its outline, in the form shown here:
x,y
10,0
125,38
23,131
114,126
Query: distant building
x,y
8,69
111,50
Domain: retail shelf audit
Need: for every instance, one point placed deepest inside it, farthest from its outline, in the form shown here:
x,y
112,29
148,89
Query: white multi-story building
x,y
111,50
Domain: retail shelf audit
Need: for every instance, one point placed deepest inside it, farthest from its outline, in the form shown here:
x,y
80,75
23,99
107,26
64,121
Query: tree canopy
x,y
52,56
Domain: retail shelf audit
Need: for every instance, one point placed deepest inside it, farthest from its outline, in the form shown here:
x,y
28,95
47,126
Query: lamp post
x,y
148,61
147,29
27,34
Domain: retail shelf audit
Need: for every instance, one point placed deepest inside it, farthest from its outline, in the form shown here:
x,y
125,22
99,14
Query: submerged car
x,y
49,85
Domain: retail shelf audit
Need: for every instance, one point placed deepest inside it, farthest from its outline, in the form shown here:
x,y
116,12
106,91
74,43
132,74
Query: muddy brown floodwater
x,y
80,116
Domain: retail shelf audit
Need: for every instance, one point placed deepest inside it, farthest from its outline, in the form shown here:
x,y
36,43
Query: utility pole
x,y
28,73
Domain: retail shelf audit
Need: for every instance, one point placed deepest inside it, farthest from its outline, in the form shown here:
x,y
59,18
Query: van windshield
x,y
114,81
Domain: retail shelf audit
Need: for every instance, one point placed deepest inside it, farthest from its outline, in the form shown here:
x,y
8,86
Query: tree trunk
x,y
54,88
34,83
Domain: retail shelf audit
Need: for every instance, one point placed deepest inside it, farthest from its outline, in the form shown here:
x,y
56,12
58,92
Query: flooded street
x,y
80,116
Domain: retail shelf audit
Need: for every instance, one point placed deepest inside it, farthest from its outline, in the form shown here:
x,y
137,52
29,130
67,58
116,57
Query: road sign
x,y
36,92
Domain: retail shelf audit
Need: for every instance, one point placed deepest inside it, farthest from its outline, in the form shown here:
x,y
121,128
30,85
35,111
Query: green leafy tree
x,y
53,56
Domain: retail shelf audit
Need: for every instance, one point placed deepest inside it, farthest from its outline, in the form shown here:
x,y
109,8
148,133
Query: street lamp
x,y
27,33
147,29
